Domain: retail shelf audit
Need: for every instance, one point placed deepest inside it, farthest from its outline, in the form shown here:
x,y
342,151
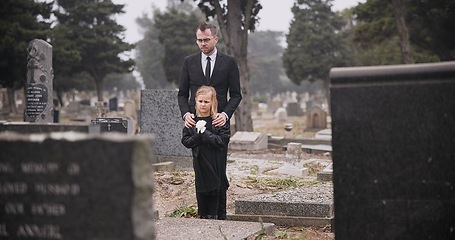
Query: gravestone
x,y
3,99
281,114
316,118
393,141
294,109
113,104
294,165
248,141
109,125
130,112
326,174
56,111
73,107
160,115
129,109
294,151
324,134
76,186
39,90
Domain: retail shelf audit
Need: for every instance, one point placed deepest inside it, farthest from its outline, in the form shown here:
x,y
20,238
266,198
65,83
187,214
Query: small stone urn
x,y
288,128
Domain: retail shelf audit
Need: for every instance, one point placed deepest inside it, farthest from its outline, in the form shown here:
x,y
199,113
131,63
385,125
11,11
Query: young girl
x,y
209,147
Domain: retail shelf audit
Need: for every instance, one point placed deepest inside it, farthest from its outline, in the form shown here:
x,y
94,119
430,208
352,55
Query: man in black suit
x,y
212,68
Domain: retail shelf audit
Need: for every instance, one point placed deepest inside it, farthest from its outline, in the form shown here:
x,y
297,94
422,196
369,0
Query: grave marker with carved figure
x,y
39,105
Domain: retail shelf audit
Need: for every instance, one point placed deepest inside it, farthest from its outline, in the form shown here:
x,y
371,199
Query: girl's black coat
x,y
209,150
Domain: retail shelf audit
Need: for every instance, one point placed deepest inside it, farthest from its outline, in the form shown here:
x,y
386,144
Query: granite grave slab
x,y
248,141
160,115
76,186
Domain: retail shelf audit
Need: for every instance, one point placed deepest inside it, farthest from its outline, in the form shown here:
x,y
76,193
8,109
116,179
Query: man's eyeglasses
x,y
205,40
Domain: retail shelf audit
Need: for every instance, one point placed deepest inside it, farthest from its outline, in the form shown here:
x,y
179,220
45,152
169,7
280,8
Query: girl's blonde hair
x,y
203,90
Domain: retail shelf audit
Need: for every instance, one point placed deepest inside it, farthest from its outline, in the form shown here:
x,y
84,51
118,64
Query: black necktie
x,y
207,70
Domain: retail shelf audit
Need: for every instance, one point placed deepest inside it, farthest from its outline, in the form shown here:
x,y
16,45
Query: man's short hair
x,y
204,26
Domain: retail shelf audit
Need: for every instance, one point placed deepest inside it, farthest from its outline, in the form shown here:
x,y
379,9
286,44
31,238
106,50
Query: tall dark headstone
x,y
393,139
76,186
113,104
39,90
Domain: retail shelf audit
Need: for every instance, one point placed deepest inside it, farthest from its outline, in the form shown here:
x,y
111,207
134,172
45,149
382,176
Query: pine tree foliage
x,y
96,38
315,42
21,21
430,25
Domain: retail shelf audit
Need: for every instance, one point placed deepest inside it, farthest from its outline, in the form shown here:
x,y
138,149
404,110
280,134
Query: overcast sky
x,y
275,15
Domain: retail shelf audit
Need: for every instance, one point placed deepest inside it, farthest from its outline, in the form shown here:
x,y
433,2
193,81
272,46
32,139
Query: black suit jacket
x,y
225,79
